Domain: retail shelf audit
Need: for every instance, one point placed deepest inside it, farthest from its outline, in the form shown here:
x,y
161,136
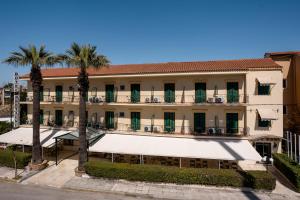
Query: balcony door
x,y
109,93
135,93
200,92
58,93
109,120
135,121
169,92
169,121
232,92
232,121
58,117
199,122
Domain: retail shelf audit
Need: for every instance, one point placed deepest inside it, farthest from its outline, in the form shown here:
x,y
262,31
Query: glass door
x,y
199,122
232,123
169,92
58,93
58,117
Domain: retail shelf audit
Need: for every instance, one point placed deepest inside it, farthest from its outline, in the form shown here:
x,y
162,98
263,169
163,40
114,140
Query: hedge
x,y
4,127
289,168
156,173
260,180
6,159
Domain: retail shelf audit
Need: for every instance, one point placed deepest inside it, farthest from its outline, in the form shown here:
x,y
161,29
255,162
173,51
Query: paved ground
x,y
9,173
13,191
55,176
170,191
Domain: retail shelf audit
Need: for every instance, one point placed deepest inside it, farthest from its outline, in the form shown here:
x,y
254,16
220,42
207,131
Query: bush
x,y
4,127
7,160
289,168
155,173
259,180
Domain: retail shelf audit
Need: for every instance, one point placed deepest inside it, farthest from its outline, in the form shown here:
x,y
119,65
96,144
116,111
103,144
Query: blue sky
x,y
140,31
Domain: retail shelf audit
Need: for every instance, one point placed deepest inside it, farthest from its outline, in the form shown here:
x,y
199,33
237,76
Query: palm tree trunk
x,y
84,85
36,144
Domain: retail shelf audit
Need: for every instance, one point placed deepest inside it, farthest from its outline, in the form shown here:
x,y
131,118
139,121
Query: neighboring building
x,y
290,62
230,99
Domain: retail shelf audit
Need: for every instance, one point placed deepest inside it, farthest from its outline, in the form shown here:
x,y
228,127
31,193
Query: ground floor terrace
x,y
196,120
170,150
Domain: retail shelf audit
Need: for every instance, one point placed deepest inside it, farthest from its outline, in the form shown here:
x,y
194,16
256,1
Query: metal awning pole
x,y
23,148
287,142
55,151
219,164
291,138
112,157
295,143
179,162
140,159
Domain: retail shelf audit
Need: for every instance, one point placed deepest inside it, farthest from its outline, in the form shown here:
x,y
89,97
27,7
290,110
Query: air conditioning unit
x,y
147,100
221,131
211,100
156,100
219,100
100,99
156,129
147,129
91,99
211,131
97,100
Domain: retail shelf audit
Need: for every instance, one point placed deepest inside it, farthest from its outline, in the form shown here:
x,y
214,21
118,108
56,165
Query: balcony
x,y
220,99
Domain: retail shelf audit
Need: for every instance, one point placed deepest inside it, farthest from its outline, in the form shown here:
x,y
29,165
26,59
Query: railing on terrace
x,y
153,99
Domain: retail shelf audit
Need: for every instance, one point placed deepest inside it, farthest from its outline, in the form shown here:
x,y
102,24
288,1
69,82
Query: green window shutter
x,y
232,122
169,121
135,93
41,93
262,123
41,119
199,122
135,121
58,93
109,119
58,117
169,92
109,93
232,92
200,92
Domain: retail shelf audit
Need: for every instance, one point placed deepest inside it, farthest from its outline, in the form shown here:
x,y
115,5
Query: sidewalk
x,y
170,191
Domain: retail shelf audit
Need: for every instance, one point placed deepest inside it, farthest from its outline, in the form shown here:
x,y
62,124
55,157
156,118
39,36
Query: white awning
x,y
218,149
267,114
23,136
266,80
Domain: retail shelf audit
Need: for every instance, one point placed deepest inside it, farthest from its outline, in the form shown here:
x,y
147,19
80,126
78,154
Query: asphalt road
x,y
13,191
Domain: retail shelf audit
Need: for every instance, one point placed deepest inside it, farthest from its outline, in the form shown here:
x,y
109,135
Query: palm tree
x,y
36,58
83,57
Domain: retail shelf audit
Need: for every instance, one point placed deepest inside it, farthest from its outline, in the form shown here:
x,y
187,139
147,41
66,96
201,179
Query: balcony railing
x,y
153,99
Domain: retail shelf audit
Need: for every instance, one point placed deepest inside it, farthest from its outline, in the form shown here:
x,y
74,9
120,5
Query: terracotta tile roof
x,y
283,53
170,67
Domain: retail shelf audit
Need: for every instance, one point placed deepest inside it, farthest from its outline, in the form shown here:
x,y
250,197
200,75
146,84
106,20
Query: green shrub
x,y
289,168
260,180
155,173
7,160
4,127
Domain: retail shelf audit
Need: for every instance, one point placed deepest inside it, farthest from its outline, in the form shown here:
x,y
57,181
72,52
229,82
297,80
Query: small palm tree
x,y
83,57
36,58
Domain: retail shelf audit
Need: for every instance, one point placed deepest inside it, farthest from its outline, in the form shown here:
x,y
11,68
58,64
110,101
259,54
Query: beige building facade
x,y
239,99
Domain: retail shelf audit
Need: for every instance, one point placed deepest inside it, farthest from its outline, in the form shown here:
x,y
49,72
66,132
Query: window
x,y
263,89
122,114
284,109
284,83
264,123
